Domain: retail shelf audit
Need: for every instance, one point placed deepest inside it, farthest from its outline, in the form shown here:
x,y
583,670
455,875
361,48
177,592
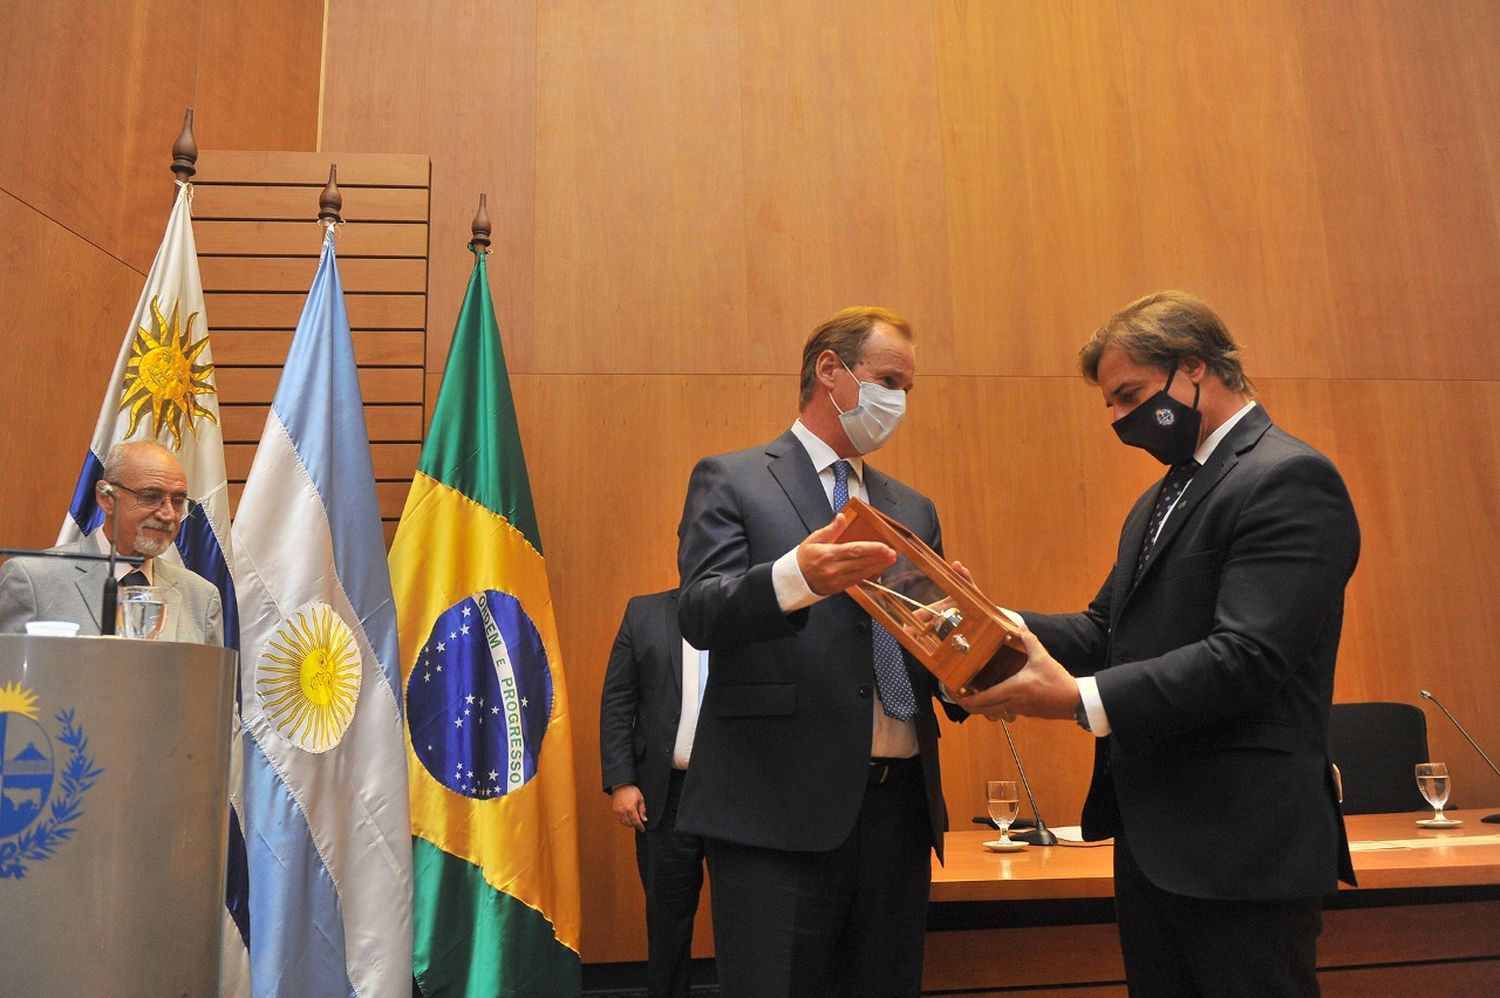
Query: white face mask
x,y
871,423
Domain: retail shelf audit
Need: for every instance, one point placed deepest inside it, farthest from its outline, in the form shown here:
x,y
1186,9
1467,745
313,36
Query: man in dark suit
x,y
815,780
1204,667
647,716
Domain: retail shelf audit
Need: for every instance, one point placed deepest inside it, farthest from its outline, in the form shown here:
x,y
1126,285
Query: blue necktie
x,y
1171,490
890,669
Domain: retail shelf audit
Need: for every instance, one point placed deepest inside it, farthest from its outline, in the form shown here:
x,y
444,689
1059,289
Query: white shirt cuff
x,y
1088,689
792,590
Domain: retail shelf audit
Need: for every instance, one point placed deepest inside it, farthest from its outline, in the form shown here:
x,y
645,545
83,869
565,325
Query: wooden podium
x,y
114,805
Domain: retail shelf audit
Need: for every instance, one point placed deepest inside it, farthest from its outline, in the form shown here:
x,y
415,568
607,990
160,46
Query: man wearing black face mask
x,y
1204,668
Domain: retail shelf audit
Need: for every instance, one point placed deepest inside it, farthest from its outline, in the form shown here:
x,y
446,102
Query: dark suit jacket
x,y
1216,671
642,700
781,753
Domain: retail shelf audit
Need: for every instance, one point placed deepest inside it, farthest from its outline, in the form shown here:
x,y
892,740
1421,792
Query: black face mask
x,y
1163,426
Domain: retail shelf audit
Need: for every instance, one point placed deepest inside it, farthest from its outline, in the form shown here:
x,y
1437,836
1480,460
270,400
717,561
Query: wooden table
x,y
1425,917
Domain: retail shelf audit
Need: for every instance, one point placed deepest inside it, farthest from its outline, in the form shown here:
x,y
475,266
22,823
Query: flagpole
x,y
331,202
481,226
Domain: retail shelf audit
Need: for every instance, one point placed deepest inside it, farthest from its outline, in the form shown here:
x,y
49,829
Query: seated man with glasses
x,y
144,498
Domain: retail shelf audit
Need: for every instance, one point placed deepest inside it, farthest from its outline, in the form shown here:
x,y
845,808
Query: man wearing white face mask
x,y
815,781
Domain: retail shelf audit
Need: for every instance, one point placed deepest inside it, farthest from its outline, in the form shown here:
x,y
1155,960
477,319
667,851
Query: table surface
x,y
1407,856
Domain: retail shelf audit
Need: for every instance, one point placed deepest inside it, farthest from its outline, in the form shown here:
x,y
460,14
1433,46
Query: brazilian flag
x,y
489,746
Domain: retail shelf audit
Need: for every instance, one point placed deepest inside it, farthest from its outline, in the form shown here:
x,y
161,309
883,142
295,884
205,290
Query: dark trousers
x,y
1176,945
850,921
671,866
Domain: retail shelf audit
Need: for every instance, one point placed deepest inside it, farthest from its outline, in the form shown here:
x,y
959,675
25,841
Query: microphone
x,y
1040,835
1493,819
109,602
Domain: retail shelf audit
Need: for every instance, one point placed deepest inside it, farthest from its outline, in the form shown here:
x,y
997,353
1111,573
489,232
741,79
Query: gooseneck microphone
x,y
110,600
1040,835
1493,819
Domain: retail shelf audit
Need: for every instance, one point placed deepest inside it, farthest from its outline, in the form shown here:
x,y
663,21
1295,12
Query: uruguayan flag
x,y
326,815
162,388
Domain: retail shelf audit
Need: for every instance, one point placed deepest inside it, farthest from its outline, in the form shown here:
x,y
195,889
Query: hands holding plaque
x,y
935,612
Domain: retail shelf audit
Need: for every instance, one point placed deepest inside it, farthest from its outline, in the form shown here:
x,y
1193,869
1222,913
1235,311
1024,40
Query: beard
x,y
150,543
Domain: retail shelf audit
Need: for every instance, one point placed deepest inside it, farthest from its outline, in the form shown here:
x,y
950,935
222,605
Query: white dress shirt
x,y
694,666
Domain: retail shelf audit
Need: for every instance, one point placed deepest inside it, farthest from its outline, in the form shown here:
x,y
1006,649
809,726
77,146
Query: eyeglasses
x,y
153,498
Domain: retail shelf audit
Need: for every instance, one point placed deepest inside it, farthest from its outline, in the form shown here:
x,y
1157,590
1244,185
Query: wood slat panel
x,y
369,169
361,204
393,462
279,273
390,494
268,347
281,311
391,423
376,384
306,239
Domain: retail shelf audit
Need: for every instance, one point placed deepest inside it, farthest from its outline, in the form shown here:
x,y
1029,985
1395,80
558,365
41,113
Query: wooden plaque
x,y
937,614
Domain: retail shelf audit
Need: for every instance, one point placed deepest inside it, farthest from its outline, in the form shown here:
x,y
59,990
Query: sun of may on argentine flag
x,y
490,753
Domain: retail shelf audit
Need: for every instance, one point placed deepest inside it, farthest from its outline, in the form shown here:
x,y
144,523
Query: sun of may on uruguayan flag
x,y
490,753
162,388
326,815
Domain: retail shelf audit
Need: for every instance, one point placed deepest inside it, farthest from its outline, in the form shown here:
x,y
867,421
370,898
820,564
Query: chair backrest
x,y
1376,747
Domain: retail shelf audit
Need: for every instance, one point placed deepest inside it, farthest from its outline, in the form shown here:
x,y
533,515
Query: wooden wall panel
x,y
1228,188
1044,226
456,82
639,104
1401,101
67,304
844,183
256,56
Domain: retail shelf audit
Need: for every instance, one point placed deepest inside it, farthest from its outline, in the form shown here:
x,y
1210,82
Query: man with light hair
x,y
144,498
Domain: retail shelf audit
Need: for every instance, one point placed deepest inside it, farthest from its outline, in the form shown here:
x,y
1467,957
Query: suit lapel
x,y
674,646
90,578
175,603
793,471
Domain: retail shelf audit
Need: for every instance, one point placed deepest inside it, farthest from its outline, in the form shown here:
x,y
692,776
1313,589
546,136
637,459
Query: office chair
x,y
1376,747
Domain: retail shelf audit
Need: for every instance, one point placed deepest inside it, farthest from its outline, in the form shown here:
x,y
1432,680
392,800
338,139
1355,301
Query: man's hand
x,y
831,567
1043,688
629,806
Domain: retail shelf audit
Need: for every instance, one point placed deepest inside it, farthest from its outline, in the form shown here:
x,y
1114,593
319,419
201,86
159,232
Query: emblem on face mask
x,y
1165,417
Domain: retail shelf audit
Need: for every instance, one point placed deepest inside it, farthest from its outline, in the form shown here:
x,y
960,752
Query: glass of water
x,y
1004,805
1432,780
141,612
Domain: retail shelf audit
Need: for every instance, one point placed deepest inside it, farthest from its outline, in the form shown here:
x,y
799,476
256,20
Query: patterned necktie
x,y
134,577
1171,490
890,668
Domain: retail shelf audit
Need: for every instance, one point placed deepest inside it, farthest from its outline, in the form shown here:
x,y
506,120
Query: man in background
x,y
1204,669
815,781
144,497
647,715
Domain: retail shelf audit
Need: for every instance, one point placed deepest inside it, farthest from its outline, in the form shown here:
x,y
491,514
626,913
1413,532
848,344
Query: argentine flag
x,y
326,814
162,388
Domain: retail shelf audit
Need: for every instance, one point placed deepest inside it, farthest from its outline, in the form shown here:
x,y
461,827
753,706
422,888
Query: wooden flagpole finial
x,y
331,201
481,226
185,150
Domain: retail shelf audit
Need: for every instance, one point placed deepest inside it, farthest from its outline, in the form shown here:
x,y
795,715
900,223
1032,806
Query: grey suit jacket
x,y
58,589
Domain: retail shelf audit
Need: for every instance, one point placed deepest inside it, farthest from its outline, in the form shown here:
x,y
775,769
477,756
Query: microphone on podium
x,y
109,602
1493,819
1039,834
